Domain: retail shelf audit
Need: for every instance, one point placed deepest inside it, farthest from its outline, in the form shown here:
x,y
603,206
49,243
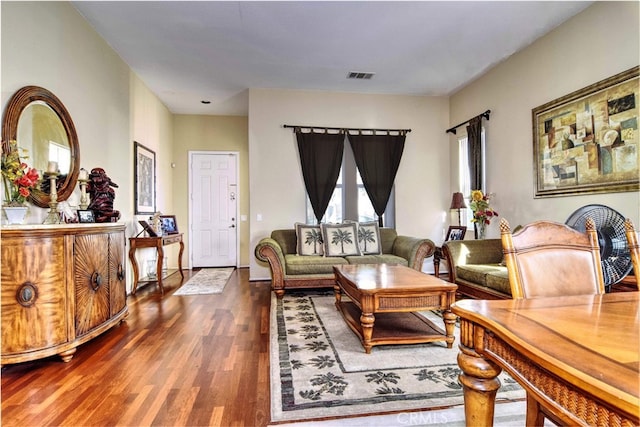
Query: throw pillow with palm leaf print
x,y
340,239
369,238
308,239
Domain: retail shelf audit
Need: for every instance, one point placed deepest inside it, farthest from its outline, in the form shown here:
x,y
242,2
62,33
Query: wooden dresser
x,y
61,285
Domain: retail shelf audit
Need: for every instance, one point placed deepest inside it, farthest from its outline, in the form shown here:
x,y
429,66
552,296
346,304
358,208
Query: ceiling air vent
x,y
360,75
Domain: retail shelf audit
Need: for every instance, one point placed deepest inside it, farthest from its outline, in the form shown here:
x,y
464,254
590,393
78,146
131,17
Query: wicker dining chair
x,y
634,248
547,259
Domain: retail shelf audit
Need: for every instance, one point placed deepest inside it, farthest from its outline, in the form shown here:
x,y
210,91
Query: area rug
x,y
319,368
206,281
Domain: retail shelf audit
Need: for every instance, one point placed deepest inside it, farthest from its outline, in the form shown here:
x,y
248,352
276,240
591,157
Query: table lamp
x,y
457,202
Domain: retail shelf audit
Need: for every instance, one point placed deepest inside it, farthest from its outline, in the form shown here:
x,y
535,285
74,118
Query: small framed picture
x,y
86,216
456,232
169,224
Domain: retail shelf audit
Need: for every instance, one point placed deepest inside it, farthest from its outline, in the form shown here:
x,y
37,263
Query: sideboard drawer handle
x,y
96,281
120,272
27,294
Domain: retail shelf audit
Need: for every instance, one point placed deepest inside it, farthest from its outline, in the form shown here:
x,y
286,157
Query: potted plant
x,y
19,180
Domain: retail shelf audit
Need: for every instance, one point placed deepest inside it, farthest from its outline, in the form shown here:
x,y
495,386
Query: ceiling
x,y
186,52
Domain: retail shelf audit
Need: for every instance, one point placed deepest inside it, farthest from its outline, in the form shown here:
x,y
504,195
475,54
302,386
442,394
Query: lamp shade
x,y
457,201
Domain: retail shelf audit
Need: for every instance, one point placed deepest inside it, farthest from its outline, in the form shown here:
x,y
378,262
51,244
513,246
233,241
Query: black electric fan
x,y
614,251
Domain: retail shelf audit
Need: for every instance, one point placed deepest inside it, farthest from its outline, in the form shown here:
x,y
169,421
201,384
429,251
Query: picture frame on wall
x,y
587,141
456,232
144,166
169,224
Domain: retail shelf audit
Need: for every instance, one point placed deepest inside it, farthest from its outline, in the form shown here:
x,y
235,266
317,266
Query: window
x,y
61,154
350,199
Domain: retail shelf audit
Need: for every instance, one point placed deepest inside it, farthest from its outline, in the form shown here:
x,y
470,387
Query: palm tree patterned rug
x,y
320,369
206,281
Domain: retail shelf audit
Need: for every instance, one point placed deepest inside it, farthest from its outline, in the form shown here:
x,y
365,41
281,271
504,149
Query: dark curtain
x,y
320,158
378,158
474,138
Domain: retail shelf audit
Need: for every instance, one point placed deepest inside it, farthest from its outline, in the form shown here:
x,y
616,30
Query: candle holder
x,y
84,199
53,217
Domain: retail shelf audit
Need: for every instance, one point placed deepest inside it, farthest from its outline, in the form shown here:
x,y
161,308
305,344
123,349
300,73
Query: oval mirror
x,y
40,123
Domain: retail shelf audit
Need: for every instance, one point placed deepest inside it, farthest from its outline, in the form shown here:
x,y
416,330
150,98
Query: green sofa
x,y
292,271
477,267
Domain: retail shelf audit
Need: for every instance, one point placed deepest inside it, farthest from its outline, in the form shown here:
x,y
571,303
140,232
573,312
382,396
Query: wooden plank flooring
x,y
175,361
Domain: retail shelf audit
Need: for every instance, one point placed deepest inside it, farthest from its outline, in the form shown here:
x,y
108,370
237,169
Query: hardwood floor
x,y
175,361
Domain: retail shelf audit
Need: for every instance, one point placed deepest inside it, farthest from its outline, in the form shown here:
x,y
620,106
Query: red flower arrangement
x,y
19,179
482,213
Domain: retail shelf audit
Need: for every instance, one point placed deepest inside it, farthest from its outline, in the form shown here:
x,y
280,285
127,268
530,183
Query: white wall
x,y
61,53
276,186
49,44
598,43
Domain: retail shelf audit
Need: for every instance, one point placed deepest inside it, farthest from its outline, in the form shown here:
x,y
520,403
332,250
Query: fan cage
x,y
614,250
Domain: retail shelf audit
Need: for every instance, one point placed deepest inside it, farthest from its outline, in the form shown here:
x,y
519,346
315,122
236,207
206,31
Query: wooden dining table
x,y
577,356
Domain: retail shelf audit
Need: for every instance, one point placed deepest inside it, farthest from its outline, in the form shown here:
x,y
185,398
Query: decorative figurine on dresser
x,y
102,196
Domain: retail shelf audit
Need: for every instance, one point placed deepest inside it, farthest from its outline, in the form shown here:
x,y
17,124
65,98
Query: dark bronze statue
x,y
102,195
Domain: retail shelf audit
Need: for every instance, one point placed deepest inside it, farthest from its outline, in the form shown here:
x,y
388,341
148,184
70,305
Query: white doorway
x,y
213,209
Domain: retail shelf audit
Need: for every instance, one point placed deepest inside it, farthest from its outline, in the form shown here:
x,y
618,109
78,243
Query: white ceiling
x,y
186,52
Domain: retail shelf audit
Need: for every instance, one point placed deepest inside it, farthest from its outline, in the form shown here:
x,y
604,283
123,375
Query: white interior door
x,y
214,200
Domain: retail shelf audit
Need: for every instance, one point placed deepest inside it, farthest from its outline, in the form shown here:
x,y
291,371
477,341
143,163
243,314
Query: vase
x,y
152,268
481,230
15,214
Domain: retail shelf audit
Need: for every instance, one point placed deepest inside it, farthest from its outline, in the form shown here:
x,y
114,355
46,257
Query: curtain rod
x,y
453,129
347,129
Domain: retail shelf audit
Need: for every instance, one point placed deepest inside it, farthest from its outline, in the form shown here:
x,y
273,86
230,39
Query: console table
x,y
158,243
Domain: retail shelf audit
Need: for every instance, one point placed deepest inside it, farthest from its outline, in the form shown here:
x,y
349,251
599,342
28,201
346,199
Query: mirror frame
x,y
18,102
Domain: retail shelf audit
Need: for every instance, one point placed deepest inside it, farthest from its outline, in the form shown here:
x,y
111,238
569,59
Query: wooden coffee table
x,y
390,297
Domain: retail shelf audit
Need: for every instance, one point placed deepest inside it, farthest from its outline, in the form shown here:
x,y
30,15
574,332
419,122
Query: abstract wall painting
x,y
587,141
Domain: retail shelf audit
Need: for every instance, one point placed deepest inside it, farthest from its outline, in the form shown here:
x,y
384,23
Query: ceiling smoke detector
x,y
360,75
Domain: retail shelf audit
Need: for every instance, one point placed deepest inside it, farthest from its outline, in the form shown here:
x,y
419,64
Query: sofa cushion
x,y
369,238
387,239
499,280
308,239
311,264
377,259
286,239
478,273
340,239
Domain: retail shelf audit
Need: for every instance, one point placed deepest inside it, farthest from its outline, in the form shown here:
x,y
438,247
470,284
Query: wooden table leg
x,y
338,294
159,266
367,319
479,380
134,264
180,258
366,322
436,261
449,326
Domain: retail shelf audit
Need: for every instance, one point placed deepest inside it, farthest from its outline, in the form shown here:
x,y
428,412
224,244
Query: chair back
x,y
546,259
634,249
